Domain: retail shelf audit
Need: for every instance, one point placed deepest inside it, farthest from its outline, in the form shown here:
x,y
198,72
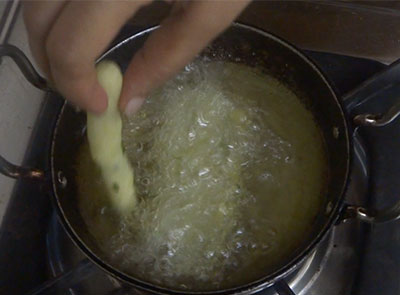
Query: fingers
x,y
179,39
39,17
80,34
67,37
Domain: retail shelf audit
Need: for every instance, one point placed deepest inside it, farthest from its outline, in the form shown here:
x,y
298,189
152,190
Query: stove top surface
x,y
34,247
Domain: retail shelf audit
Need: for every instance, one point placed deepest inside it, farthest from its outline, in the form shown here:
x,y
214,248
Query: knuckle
x,y
63,58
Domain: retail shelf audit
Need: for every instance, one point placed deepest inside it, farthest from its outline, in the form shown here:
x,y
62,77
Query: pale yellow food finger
x,y
105,141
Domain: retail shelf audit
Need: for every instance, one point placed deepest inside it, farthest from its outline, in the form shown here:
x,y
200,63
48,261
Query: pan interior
x,y
237,46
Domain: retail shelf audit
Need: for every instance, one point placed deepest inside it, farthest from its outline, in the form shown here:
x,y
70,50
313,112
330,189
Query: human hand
x,y
66,38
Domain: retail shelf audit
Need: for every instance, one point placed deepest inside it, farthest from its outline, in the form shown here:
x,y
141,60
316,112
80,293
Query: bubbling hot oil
x,y
230,170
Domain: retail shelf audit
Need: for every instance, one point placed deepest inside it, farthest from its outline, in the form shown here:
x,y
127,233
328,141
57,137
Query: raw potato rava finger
x,y
105,140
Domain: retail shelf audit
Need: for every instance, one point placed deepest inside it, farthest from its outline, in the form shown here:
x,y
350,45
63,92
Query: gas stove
x,y
330,270
36,254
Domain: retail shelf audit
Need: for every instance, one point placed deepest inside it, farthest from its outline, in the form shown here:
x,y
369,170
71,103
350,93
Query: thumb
x,y
168,49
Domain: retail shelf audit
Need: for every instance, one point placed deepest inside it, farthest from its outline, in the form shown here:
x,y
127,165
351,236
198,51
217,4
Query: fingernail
x,y
133,105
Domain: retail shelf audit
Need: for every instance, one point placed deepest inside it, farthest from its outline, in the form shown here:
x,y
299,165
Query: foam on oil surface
x,y
230,169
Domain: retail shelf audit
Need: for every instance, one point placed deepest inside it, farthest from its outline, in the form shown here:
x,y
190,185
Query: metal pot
x,y
242,44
